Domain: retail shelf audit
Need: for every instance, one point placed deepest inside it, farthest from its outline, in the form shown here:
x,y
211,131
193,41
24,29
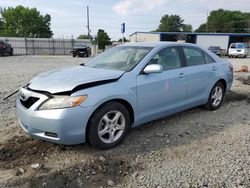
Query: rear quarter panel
x,y
223,70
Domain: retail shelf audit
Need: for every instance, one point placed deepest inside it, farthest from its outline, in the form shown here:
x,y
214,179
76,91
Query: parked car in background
x,y
238,50
5,48
81,50
215,49
125,86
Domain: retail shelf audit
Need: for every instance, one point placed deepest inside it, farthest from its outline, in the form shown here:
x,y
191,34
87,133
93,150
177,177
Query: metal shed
x,y
203,39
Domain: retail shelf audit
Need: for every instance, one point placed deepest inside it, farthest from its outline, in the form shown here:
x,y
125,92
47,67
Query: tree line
x,y
28,22
226,21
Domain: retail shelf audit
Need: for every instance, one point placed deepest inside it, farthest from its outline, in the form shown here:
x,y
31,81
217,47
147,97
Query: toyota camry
x,y
126,86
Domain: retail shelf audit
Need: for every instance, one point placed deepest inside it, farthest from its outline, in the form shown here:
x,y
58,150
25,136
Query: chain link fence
x,y
42,46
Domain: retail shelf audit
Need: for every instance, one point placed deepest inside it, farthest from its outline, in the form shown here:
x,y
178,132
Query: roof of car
x,y
157,44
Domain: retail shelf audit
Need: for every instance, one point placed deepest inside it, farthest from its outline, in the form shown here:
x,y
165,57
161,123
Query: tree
x,y
202,28
187,28
85,37
226,21
1,26
102,39
170,23
25,22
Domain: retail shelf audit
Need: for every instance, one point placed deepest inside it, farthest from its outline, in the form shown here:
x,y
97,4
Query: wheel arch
x,y
119,100
224,83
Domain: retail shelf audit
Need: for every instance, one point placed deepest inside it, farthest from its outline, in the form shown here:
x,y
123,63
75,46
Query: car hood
x,y
70,79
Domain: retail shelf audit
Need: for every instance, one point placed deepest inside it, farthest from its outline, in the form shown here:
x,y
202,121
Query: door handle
x,y
181,75
214,68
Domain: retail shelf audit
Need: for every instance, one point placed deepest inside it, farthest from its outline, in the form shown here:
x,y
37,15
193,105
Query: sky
x,y
69,16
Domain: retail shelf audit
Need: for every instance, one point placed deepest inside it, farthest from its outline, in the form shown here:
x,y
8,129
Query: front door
x,y
161,94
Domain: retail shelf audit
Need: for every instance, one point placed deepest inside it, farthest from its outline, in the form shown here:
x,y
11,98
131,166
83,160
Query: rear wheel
x,y
216,97
108,125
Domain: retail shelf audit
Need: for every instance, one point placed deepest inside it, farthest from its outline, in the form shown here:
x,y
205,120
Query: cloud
x,y
7,3
126,7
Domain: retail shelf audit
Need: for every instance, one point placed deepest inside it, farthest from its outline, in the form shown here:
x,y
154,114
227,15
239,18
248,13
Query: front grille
x,y
29,102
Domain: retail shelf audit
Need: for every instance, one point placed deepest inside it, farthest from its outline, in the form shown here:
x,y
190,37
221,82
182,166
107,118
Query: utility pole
x,y
207,21
88,21
123,31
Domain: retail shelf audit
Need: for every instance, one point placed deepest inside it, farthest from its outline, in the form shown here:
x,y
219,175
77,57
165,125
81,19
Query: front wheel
x,y
11,52
108,125
216,97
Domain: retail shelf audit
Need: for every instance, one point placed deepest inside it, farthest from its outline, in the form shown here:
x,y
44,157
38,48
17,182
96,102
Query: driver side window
x,y
169,58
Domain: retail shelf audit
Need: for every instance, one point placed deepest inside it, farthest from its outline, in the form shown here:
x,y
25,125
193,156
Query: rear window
x,y
208,58
240,46
193,56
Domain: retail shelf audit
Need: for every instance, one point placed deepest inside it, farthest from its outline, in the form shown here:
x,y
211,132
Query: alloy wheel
x,y
217,96
111,126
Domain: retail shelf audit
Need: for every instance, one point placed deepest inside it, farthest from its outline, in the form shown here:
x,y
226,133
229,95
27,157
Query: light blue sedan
x,y
122,88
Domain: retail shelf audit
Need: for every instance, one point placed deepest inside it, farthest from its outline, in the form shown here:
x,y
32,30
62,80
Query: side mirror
x,y
154,68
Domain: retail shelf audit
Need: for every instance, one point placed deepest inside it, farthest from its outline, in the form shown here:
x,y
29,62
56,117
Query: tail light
x,y
231,67
2,46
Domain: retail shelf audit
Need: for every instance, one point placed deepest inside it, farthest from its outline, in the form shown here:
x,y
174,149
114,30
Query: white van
x,y
238,50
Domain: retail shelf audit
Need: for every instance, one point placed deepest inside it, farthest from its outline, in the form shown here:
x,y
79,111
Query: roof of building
x,y
194,33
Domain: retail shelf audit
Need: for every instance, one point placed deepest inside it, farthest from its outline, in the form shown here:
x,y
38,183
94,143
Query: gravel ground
x,y
195,148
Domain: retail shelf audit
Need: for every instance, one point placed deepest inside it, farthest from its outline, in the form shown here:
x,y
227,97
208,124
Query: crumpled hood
x,y
67,79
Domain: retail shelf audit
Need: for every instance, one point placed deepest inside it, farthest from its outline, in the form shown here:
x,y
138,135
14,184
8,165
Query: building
x,y
203,39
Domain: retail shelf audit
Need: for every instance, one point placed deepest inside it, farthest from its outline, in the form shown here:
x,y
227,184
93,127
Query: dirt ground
x,y
195,148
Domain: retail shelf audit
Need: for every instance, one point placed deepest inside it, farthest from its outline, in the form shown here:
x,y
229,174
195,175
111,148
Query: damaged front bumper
x,y
63,126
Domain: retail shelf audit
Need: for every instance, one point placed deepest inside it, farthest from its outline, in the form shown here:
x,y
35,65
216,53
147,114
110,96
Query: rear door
x,y
201,71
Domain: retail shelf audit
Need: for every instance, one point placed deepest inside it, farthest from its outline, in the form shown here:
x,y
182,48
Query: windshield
x,y
81,45
123,58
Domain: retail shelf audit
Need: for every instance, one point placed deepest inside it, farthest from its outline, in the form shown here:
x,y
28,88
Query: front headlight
x,y
58,102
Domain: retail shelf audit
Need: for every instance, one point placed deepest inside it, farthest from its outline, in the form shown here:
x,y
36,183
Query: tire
x,y
103,125
11,52
73,55
212,104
